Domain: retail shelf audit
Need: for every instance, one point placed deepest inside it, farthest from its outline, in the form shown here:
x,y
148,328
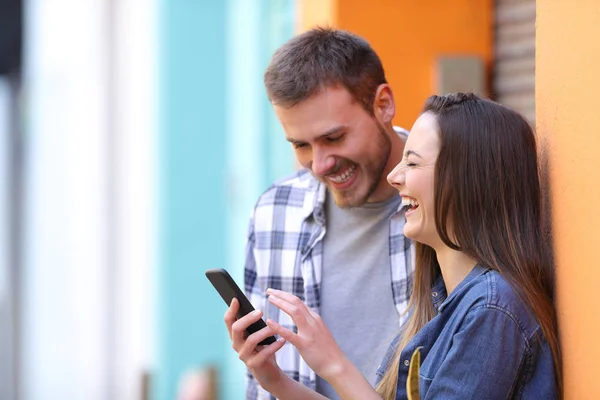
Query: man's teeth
x,y
408,202
343,177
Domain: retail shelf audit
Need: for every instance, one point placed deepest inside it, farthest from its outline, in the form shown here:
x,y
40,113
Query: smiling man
x,y
331,234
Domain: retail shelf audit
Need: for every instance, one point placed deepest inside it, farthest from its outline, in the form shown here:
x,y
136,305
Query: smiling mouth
x,y
409,203
344,176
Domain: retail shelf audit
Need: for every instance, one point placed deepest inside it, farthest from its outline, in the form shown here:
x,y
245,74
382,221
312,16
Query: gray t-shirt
x,y
356,291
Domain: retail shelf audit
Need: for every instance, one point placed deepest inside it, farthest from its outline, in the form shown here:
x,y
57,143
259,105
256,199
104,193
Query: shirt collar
x,y
442,299
438,292
314,202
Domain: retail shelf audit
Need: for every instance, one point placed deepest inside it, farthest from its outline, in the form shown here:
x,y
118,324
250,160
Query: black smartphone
x,y
228,289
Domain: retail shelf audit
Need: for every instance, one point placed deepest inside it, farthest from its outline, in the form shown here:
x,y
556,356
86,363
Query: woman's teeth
x,y
344,176
409,202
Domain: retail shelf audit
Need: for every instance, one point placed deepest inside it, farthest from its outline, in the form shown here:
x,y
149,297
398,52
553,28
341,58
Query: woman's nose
x,y
396,177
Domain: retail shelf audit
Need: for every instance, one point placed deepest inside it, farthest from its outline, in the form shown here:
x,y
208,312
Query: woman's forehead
x,y
424,137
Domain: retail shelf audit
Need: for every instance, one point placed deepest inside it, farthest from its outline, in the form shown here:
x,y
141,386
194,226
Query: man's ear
x,y
384,106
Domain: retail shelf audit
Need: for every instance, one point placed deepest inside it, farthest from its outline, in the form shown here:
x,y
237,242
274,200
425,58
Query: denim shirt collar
x,y
439,294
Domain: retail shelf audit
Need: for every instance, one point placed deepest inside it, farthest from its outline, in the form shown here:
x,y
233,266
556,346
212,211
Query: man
x,y
331,234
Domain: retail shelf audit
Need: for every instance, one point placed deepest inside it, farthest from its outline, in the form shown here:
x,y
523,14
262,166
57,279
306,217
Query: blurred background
x,y
135,137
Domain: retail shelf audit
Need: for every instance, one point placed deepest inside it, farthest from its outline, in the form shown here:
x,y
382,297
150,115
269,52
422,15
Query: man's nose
x,y
396,177
322,163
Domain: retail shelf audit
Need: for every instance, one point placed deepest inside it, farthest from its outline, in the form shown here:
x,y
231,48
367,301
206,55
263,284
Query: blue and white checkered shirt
x,y
284,251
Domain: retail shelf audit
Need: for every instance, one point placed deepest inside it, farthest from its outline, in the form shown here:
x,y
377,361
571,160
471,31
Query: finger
x,y
314,315
238,328
290,298
293,307
283,332
284,295
230,314
266,352
252,342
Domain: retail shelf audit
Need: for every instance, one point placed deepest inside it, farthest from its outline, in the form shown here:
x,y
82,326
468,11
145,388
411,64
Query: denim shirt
x,y
483,344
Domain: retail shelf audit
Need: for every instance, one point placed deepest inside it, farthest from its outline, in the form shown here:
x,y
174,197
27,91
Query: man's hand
x,y
260,360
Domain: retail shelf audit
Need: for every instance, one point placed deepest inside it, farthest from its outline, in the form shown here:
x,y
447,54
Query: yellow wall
x,y
311,13
568,119
409,35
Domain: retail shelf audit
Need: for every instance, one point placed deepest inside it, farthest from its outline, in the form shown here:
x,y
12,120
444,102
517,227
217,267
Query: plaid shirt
x,y
284,251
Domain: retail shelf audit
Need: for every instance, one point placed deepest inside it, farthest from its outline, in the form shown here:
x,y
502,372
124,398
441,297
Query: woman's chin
x,y
411,234
418,236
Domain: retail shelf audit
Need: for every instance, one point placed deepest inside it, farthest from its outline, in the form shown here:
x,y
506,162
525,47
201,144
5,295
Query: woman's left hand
x,y
313,340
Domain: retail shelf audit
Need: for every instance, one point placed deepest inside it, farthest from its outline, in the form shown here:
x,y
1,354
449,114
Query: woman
x,y
482,310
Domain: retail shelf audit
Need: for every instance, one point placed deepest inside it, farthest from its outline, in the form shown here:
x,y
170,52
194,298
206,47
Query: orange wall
x,y
311,13
409,35
568,119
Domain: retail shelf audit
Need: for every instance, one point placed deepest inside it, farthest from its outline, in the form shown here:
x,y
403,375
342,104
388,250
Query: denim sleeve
x,y
487,356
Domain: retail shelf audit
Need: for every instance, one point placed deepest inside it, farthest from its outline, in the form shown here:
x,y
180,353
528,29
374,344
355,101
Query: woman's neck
x,y
455,266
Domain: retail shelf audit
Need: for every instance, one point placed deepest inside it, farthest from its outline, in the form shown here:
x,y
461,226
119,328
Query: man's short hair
x,y
320,58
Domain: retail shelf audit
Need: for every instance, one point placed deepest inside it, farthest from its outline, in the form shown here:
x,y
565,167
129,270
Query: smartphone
x,y
228,289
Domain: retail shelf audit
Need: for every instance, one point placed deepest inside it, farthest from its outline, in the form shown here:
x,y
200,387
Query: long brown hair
x,y
487,181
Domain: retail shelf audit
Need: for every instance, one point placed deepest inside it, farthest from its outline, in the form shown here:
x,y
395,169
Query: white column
x,y
65,315
135,96
88,249
7,299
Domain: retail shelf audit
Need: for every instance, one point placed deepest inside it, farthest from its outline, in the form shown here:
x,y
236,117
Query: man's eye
x,y
411,164
299,145
333,139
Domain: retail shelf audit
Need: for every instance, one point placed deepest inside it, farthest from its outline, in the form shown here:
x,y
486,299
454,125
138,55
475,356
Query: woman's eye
x,y
411,164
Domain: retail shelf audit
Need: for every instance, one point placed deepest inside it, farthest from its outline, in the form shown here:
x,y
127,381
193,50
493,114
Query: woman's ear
x,y
384,106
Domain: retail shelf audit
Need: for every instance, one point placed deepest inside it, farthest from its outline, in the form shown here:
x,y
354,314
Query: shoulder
x,y
290,190
288,203
493,295
401,131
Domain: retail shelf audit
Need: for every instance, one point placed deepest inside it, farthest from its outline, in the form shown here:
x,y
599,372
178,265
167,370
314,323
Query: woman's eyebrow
x,y
409,152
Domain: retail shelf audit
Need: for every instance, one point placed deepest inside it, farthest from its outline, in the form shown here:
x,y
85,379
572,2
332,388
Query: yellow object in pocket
x,y
412,382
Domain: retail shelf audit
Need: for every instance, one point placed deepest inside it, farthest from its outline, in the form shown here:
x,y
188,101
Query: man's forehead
x,y
330,95
316,122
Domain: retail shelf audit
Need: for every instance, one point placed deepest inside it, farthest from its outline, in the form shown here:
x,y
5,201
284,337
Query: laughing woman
x,y
482,307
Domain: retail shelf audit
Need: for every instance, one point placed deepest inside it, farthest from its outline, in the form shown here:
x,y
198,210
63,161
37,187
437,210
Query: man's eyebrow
x,y
328,132
409,152
331,131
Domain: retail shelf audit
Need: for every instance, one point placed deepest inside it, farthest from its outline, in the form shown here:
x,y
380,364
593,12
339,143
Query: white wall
x,y
7,373
88,240
135,101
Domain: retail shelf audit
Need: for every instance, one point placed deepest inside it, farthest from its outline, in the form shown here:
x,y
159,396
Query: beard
x,y
371,170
